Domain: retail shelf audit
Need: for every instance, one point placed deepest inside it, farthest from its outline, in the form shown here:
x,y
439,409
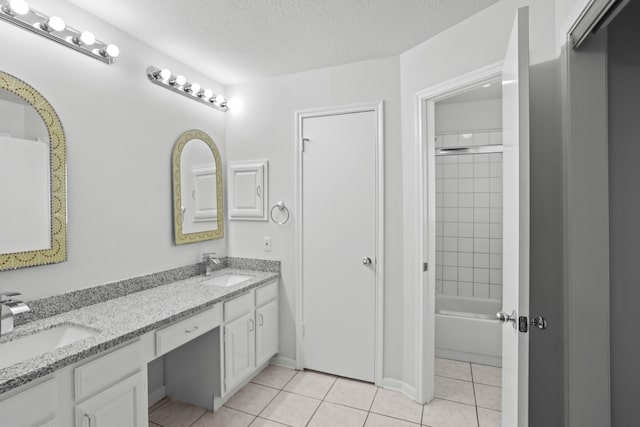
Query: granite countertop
x,y
121,319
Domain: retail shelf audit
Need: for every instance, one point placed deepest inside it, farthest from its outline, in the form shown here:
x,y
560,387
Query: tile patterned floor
x,y
467,395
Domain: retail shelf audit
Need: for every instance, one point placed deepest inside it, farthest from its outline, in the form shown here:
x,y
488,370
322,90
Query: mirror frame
x,y
180,237
58,180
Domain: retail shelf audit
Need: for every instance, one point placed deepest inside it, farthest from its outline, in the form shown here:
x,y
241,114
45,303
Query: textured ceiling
x,y
240,40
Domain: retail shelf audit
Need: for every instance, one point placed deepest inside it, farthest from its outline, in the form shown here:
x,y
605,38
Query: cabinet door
x,y
267,332
239,349
123,405
248,186
34,407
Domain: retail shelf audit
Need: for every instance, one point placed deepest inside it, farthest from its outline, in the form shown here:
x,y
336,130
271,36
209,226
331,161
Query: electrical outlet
x,y
267,244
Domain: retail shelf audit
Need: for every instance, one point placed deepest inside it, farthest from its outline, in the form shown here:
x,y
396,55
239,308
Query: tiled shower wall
x,y
469,217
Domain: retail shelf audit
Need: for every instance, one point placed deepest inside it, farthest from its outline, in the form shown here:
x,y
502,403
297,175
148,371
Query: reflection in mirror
x,y
197,187
32,178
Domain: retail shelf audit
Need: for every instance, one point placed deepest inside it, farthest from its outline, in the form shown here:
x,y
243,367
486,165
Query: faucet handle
x,y
6,295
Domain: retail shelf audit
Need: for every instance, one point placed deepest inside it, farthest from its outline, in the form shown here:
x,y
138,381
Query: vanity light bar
x,y
192,90
19,13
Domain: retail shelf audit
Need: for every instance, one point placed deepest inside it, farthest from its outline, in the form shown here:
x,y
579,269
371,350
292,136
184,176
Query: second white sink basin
x,y
225,280
41,342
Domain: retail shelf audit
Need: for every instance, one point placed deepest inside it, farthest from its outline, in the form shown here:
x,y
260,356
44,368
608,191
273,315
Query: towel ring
x,y
281,206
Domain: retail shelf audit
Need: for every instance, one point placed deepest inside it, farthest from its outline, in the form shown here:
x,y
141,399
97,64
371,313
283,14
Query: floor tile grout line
x,y
474,395
314,413
335,379
395,418
453,401
269,403
451,378
197,419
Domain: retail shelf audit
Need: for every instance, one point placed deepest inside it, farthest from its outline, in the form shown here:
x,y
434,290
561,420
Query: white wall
x,y
474,115
120,131
265,128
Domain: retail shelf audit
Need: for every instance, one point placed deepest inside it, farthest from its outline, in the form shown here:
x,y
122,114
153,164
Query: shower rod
x,y
477,149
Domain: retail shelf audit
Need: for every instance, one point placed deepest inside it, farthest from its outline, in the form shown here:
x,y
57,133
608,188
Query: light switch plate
x,y
267,244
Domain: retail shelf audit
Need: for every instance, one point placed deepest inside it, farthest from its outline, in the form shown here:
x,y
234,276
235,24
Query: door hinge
x,y
302,143
425,266
303,329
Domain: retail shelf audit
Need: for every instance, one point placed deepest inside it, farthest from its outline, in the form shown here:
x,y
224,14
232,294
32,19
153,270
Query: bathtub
x,y
466,330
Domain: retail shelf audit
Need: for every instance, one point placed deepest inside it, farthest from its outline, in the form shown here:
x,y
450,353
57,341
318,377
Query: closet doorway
x,y
339,297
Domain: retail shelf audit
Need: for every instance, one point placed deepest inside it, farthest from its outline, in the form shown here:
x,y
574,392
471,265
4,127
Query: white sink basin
x,y
41,342
226,280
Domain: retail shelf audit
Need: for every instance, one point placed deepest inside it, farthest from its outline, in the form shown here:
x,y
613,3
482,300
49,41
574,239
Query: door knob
x,y
366,260
506,317
539,322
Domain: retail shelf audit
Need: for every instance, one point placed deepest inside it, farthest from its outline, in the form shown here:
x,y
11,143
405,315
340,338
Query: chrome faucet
x,y
210,259
8,309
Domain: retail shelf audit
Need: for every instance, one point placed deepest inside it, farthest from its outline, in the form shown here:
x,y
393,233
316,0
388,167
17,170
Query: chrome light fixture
x,y
19,13
179,84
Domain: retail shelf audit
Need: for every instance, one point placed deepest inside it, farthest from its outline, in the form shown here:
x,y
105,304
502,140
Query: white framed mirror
x,y
33,221
197,188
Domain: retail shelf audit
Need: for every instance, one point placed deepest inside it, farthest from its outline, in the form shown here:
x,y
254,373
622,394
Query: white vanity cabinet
x,y
36,406
122,405
111,391
250,333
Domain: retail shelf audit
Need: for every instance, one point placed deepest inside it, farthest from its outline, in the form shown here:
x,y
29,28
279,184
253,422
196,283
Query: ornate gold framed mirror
x,y
33,187
197,189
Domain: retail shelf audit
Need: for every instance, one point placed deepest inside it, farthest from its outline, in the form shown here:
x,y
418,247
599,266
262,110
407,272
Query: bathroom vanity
x,y
214,332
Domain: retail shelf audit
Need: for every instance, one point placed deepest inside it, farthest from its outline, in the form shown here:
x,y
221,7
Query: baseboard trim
x,y
157,395
401,386
284,362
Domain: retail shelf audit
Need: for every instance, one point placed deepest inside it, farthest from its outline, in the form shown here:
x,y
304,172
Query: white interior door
x,y
338,240
515,117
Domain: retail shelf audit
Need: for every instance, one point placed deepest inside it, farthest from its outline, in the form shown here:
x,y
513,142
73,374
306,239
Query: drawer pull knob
x,y
192,329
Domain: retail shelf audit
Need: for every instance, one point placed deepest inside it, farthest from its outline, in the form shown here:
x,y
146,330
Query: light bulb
x,y
178,81
16,7
85,38
207,93
192,88
163,74
219,99
234,105
110,51
55,23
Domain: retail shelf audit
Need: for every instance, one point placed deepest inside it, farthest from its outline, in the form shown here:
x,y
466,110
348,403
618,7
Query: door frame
x,y
378,108
586,226
424,151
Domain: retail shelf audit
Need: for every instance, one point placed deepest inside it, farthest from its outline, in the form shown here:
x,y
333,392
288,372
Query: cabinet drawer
x,y
175,335
266,293
238,306
109,369
34,406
